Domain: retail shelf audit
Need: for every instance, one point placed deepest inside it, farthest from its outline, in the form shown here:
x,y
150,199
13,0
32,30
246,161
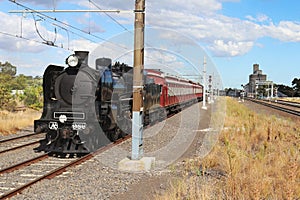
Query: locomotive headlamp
x,y
72,61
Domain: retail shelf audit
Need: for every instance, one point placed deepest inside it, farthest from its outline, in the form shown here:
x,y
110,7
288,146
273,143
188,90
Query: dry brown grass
x,y
257,157
11,122
293,99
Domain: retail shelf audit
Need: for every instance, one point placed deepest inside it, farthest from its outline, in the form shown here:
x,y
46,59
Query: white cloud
x,y
12,24
251,18
230,48
47,4
286,31
115,4
207,29
225,36
201,20
263,18
259,18
90,26
203,7
83,45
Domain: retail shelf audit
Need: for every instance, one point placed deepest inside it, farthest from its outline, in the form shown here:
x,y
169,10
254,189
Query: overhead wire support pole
x,y
204,84
138,67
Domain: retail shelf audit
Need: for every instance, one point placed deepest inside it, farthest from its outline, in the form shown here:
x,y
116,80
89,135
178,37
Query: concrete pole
x,y
212,88
204,84
268,96
138,66
272,88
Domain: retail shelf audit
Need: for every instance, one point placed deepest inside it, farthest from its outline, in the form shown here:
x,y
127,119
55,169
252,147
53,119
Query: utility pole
x,y
272,88
211,88
204,84
137,161
138,67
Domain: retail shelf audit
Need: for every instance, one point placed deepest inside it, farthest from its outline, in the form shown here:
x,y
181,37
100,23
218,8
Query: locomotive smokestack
x,y
83,56
102,63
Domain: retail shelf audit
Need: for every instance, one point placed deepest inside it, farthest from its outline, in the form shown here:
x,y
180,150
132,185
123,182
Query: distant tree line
x,y
293,91
30,89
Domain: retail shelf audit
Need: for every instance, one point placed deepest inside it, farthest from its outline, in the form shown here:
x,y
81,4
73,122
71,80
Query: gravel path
x,y
169,142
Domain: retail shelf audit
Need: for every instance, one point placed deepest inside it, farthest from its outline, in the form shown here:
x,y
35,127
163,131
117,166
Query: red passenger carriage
x,y
175,92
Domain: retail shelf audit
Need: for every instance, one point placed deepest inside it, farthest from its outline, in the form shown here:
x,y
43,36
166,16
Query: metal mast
x,y
204,84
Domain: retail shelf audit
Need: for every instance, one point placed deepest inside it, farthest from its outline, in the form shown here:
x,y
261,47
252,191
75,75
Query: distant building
x,y
255,77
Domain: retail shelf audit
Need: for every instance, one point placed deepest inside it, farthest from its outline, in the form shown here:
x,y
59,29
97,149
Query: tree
x,y
6,99
262,91
34,97
7,68
32,87
19,82
287,90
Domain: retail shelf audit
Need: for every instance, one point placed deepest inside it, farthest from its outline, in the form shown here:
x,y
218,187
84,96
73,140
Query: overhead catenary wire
x,y
36,41
114,20
75,28
38,32
131,32
46,42
126,29
63,23
27,9
97,6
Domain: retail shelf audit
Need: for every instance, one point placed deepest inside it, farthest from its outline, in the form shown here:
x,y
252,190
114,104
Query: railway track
x,y
15,179
15,143
285,106
289,103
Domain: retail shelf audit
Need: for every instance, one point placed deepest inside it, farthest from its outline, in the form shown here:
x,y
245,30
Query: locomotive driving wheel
x,y
114,134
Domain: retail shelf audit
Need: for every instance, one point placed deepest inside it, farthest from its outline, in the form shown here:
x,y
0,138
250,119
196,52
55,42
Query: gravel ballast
x,y
169,142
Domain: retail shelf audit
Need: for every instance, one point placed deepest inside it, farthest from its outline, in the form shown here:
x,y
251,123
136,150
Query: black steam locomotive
x,y
86,108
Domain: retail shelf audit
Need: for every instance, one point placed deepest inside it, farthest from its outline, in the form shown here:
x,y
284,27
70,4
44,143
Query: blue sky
x,y
235,34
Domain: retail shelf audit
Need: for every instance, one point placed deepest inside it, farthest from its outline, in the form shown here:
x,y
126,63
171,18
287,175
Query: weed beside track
x,y
11,122
257,157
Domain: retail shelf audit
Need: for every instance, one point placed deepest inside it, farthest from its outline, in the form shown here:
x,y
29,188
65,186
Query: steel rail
x,y
20,137
287,103
62,169
19,147
272,105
